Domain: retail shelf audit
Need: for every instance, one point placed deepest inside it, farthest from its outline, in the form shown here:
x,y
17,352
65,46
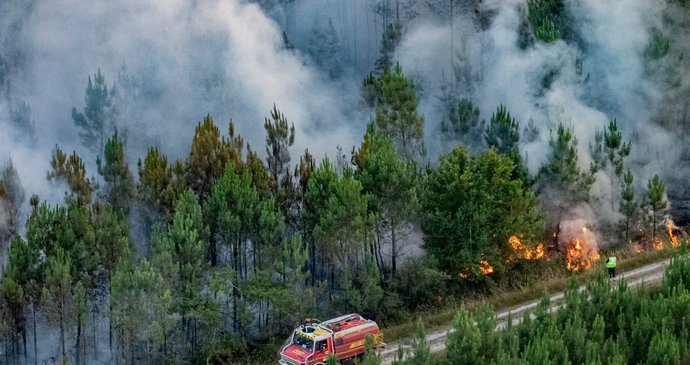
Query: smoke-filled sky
x,y
185,59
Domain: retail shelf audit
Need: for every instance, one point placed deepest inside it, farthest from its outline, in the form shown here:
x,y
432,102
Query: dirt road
x,y
651,273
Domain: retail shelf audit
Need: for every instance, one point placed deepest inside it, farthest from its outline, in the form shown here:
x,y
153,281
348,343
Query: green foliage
x,y
119,184
655,202
396,113
188,235
464,342
11,198
371,357
628,203
390,38
503,134
420,284
391,184
98,118
57,294
610,151
72,171
421,352
231,211
472,206
279,138
600,325
615,149
460,120
210,155
658,46
548,19
156,188
560,182
332,360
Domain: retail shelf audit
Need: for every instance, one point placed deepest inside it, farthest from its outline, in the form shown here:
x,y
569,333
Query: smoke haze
x,y
174,61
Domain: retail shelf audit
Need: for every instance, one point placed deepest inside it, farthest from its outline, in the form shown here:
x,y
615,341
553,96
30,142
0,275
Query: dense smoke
x,y
601,76
172,62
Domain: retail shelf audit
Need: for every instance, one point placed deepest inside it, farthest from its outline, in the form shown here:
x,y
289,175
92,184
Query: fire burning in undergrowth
x,y
524,252
485,267
580,256
657,243
581,247
673,238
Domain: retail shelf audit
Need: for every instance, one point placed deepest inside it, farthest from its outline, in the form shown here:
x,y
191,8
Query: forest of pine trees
x,y
212,258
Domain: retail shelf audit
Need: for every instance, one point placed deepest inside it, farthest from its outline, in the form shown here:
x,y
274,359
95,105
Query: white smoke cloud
x,y
187,59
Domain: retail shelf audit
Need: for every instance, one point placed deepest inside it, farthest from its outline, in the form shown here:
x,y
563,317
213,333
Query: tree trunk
x,y
235,259
94,324
312,259
24,336
653,226
62,331
394,250
33,309
78,344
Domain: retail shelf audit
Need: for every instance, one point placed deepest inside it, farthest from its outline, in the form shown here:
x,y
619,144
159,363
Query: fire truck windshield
x,y
302,341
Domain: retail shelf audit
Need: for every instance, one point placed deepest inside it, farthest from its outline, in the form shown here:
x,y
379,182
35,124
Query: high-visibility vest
x,y
611,262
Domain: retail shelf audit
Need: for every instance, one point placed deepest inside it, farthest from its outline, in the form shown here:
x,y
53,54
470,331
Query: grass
x,y
554,281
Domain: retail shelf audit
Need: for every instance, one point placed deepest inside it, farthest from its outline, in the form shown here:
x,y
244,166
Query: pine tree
x,y
210,155
119,184
279,138
561,183
628,203
503,132
392,185
57,295
390,39
156,189
463,343
11,198
98,118
397,116
421,352
72,171
656,203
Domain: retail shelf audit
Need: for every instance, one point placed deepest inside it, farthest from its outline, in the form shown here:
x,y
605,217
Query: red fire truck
x,y
314,341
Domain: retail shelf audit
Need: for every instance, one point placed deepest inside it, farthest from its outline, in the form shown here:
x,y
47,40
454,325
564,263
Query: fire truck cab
x,y
313,342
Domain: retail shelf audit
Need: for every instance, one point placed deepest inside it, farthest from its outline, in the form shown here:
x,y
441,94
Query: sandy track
x,y
651,273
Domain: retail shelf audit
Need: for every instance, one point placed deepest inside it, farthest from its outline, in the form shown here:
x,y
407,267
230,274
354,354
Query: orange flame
x,y
485,267
675,240
524,252
580,256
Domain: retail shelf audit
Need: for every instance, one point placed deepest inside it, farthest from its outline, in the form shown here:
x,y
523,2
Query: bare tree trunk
x,y
62,331
94,324
33,309
24,338
78,344
394,250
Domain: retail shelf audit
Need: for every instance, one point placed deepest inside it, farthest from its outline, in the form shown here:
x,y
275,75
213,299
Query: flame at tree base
x,y
580,257
581,247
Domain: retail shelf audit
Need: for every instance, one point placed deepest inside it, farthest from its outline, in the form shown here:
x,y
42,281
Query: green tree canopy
x,y
472,205
98,118
119,184
396,113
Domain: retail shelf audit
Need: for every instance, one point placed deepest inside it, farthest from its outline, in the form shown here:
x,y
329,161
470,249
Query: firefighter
x,y
611,265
